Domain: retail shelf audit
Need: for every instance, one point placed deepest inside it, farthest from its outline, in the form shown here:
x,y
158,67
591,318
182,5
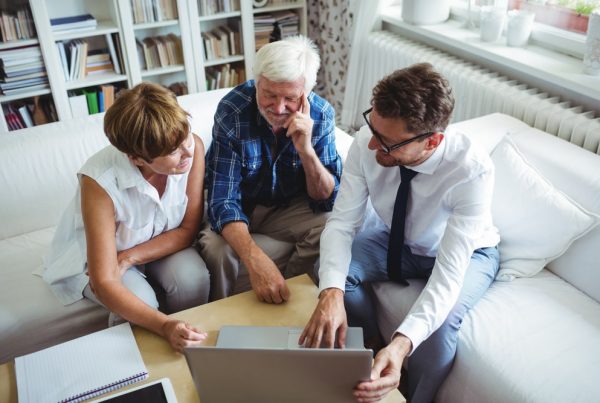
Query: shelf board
x,y
23,95
219,16
157,24
94,79
18,43
163,70
279,7
223,60
104,27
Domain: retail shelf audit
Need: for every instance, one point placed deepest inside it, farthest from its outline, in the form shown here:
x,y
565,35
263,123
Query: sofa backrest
x,y
38,174
39,165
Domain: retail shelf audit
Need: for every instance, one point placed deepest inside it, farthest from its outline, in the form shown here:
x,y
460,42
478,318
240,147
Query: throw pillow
x,y
537,222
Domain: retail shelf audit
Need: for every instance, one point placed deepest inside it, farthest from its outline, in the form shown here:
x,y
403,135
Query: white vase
x,y
591,57
419,12
491,23
518,27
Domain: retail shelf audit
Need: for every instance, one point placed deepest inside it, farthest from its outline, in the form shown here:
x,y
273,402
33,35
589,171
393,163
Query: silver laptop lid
x,y
280,374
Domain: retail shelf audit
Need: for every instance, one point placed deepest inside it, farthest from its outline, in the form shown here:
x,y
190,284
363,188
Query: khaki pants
x,y
288,235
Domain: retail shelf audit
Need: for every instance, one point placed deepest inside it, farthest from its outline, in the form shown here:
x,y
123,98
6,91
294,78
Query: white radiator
x,y
479,91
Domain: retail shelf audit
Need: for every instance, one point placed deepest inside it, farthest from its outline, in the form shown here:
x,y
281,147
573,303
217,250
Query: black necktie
x,y
396,242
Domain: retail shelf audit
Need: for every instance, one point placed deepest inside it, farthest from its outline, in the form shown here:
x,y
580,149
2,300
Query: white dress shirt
x,y
448,217
140,214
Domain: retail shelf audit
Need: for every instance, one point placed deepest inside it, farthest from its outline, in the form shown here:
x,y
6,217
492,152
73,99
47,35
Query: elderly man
x,y
272,175
432,191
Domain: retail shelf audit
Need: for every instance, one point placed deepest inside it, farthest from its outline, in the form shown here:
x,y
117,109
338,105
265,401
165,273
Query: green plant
x,y
586,7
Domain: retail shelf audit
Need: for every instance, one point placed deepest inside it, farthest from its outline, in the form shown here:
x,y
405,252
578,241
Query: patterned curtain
x,y
330,26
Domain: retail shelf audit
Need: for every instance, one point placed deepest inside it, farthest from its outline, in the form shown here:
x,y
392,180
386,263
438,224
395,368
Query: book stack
x,y
289,23
17,25
76,23
78,61
92,100
210,7
270,27
263,27
153,10
224,77
221,42
22,69
160,51
37,111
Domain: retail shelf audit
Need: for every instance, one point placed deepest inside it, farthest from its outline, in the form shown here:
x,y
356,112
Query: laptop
x,y
265,364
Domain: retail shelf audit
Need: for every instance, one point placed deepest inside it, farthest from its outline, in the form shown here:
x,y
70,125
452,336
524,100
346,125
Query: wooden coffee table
x,y
242,309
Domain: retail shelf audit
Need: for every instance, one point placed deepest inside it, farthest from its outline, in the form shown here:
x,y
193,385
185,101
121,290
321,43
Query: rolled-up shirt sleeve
x,y
223,172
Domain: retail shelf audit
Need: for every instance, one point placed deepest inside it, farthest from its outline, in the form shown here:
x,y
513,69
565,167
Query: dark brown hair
x,y
418,95
146,122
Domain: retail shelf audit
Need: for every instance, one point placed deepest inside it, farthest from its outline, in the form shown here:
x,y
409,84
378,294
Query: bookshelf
x,y
178,34
159,49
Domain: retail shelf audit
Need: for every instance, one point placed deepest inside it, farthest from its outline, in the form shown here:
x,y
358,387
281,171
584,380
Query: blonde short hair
x,y
146,122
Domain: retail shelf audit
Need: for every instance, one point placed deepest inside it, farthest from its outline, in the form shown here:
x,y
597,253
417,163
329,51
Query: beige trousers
x,y
288,235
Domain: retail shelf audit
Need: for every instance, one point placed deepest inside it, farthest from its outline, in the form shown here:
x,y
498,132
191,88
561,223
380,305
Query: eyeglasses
x,y
388,149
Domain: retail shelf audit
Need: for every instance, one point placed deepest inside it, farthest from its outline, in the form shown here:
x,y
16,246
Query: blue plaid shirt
x,y
242,171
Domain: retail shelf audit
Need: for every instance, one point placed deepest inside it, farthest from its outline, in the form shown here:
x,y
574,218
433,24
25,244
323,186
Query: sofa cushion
x,y
31,318
576,172
537,222
530,340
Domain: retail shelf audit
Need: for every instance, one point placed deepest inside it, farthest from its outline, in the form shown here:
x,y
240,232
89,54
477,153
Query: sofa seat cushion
x,y
533,339
31,317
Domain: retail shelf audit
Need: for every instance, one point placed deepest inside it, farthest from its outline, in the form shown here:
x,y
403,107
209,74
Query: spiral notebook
x,y
81,368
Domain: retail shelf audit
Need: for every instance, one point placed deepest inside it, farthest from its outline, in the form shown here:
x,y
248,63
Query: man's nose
x,y
279,106
374,144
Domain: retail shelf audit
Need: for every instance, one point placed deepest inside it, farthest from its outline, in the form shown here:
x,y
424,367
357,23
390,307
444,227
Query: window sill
x,y
551,71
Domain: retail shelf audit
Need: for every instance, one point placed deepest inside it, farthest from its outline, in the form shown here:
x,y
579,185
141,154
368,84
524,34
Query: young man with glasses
x,y
431,193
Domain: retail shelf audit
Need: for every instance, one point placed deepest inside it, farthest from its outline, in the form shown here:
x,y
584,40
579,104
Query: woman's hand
x,y
180,334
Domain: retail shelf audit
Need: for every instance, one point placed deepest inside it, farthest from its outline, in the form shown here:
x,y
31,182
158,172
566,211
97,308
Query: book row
x,y
159,51
78,60
210,7
16,25
221,42
153,10
36,111
92,100
224,77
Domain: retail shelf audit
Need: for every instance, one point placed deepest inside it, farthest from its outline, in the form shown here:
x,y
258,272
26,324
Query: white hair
x,y
288,60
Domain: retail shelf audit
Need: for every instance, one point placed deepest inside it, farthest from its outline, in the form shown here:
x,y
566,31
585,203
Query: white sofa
x,y
533,339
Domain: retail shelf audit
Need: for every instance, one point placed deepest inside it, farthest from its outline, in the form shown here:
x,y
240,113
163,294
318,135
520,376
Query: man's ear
x,y
434,140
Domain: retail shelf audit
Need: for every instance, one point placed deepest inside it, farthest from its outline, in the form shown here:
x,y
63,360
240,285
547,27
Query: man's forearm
x,y
238,236
319,181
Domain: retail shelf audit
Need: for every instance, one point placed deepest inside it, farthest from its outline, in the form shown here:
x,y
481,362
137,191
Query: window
x,y
568,15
